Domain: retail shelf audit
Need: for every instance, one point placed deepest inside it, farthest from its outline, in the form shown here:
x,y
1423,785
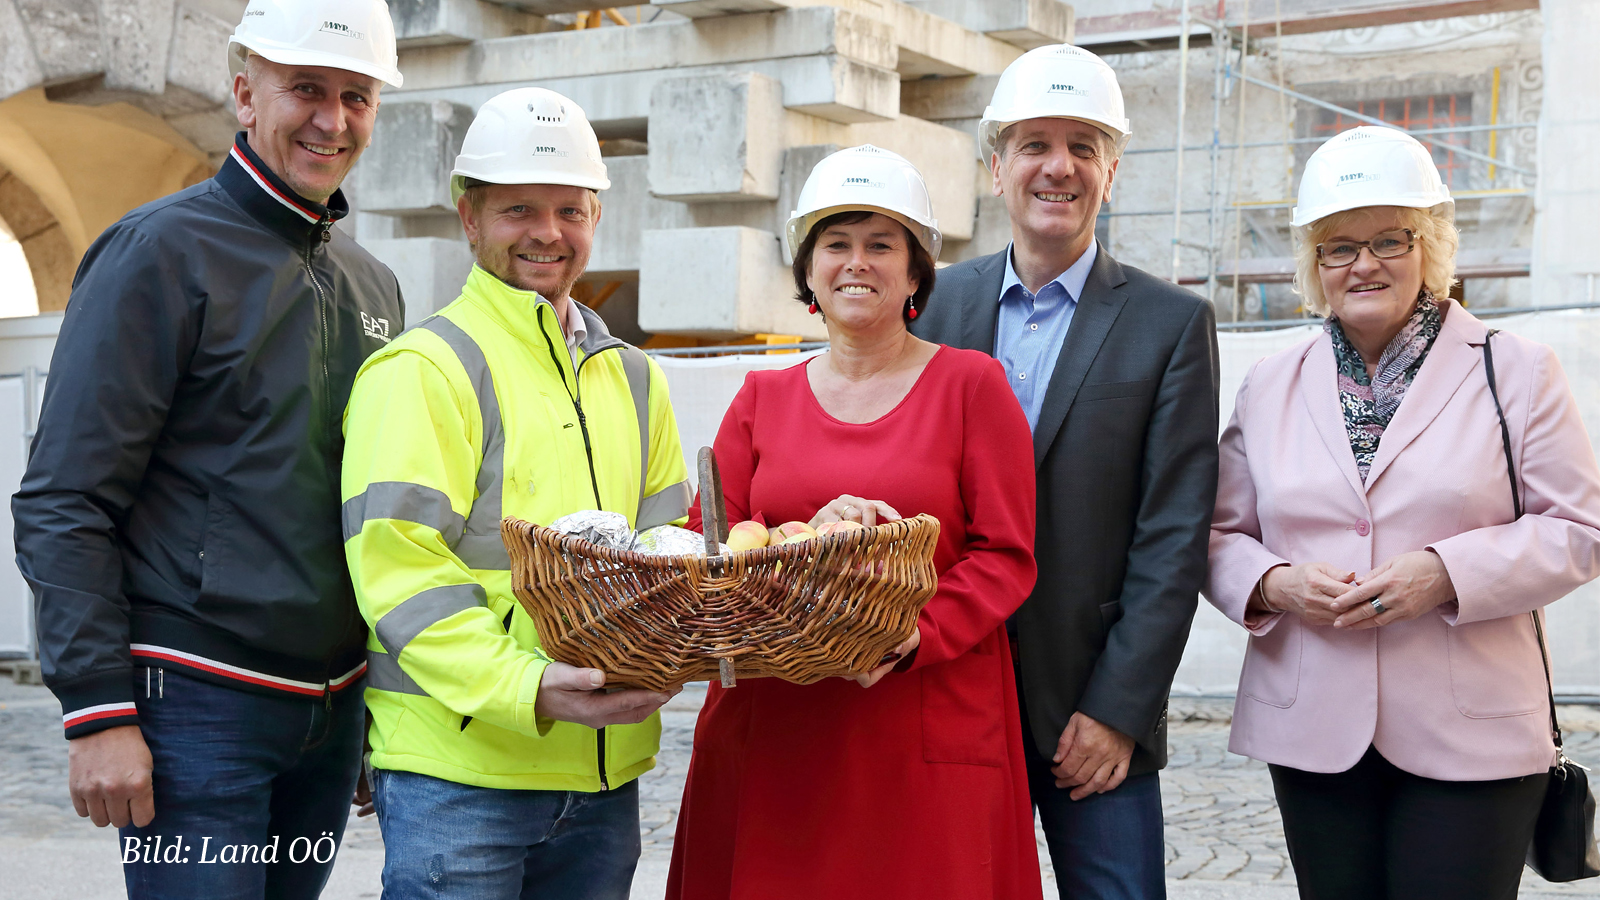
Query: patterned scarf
x,y
1369,403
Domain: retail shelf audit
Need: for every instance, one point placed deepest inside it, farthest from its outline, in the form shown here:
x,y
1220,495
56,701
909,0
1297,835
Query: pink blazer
x,y
1456,694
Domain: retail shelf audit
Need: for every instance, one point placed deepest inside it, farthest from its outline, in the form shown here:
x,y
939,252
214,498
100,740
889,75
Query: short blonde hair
x,y
1437,241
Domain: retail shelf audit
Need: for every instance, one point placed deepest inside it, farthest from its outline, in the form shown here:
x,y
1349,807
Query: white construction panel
x,y
16,602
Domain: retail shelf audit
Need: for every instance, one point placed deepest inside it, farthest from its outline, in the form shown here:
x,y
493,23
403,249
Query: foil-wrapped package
x,y
608,529
670,540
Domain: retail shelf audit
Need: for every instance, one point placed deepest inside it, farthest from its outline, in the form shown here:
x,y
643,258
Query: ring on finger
x,y
848,510
1377,605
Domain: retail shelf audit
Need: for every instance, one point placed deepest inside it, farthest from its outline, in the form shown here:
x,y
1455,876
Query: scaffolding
x,y
1231,76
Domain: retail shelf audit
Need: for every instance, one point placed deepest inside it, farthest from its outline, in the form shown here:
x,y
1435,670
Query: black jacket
x,y
1126,450
181,504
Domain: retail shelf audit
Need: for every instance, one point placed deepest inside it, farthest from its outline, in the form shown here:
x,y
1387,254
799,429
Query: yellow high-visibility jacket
x,y
475,414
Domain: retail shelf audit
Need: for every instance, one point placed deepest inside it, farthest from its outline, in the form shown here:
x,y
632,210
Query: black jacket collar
x,y
265,197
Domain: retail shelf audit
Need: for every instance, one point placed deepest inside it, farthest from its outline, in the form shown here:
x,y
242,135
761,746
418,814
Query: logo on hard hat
x,y
254,12
1358,178
1072,89
549,151
341,29
857,181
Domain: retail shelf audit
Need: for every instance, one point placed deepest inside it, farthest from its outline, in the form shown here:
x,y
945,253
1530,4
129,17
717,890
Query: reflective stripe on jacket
x,y
475,414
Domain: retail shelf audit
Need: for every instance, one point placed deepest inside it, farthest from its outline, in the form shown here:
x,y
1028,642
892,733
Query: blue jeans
x,y
1106,846
447,840
245,785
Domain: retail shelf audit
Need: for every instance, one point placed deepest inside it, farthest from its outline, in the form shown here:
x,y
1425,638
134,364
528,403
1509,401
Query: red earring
x,y
911,309
812,308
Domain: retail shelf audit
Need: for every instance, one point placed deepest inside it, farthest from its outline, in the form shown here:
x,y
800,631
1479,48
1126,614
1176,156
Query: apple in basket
x,y
747,536
827,528
793,533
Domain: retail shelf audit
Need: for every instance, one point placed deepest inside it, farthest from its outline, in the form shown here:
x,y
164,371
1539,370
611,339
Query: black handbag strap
x,y
1516,505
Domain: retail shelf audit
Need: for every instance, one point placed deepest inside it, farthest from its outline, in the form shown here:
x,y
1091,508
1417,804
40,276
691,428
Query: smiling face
x,y
1372,295
309,124
534,237
1054,174
860,272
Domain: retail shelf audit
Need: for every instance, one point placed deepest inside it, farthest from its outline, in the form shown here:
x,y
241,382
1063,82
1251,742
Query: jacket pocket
x,y
1272,664
1110,614
1113,390
963,711
1495,668
213,544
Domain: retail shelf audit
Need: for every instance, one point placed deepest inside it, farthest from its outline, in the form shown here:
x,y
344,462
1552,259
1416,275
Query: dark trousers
x,y
1106,846
251,791
449,841
1377,832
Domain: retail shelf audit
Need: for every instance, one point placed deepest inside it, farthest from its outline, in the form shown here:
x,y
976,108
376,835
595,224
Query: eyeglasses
x,y
1388,245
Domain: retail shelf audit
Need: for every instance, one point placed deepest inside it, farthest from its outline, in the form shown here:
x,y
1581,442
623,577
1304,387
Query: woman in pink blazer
x,y
1365,536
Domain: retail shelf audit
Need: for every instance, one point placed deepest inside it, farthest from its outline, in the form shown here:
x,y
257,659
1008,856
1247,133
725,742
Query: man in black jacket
x,y
1117,373
179,519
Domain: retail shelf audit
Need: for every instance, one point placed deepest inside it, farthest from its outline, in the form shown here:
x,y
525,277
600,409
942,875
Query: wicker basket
x,y
801,612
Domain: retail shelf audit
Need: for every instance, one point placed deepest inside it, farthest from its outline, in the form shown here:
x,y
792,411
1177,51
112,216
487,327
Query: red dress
x,y
914,787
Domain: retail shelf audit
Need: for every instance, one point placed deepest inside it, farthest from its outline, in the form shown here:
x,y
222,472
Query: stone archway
x,y
50,257
103,107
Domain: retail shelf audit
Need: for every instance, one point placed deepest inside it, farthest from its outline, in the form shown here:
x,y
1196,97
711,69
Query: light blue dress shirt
x,y
1030,329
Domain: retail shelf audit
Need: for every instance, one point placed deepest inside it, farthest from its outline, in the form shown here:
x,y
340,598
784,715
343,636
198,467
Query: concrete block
x,y
797,165
137,36
65,35
618,104
933,45
420,23
716,137
431,271
699,9
551,7
1024,23
628,209
928,44
196,62
814,31
414,147
947,98
718,282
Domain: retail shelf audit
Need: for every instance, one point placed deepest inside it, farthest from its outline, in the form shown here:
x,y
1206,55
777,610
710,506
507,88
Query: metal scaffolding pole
x,y
1362,117
1220,39
1177,175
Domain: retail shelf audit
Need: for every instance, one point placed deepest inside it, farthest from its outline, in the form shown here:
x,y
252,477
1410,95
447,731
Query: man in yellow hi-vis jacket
x,y
496,772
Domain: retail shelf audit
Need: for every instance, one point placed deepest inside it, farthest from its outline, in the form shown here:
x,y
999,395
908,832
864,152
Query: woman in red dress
x,y
907,781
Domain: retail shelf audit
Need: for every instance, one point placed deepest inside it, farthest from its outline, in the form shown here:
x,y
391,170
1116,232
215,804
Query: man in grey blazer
x,y
1117,373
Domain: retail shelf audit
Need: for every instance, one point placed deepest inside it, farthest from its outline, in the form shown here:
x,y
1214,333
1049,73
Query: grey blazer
x,y
1126,455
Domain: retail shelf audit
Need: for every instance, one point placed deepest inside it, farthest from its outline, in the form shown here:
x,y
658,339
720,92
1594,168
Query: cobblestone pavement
x,y
1224,839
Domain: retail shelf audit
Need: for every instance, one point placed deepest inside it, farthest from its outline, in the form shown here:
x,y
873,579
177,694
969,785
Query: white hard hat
x,y
1370,166
871,179
530,136
1059,81
354,35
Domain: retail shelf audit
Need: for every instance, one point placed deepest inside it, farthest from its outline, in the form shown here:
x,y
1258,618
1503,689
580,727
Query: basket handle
x,y
713,512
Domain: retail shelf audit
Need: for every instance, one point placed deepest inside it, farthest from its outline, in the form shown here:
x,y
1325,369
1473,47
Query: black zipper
x,y
588,452
321,236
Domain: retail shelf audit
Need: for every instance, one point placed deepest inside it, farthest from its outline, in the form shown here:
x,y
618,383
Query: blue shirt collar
x,y
1073,279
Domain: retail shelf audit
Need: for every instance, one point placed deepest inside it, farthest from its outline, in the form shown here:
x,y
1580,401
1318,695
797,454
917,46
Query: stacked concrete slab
x,y
711,115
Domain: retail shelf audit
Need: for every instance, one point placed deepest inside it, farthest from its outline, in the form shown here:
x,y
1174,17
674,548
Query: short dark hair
x,y
921,266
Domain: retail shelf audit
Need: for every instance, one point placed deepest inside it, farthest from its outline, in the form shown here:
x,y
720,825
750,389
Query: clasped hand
x,y
1408,586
